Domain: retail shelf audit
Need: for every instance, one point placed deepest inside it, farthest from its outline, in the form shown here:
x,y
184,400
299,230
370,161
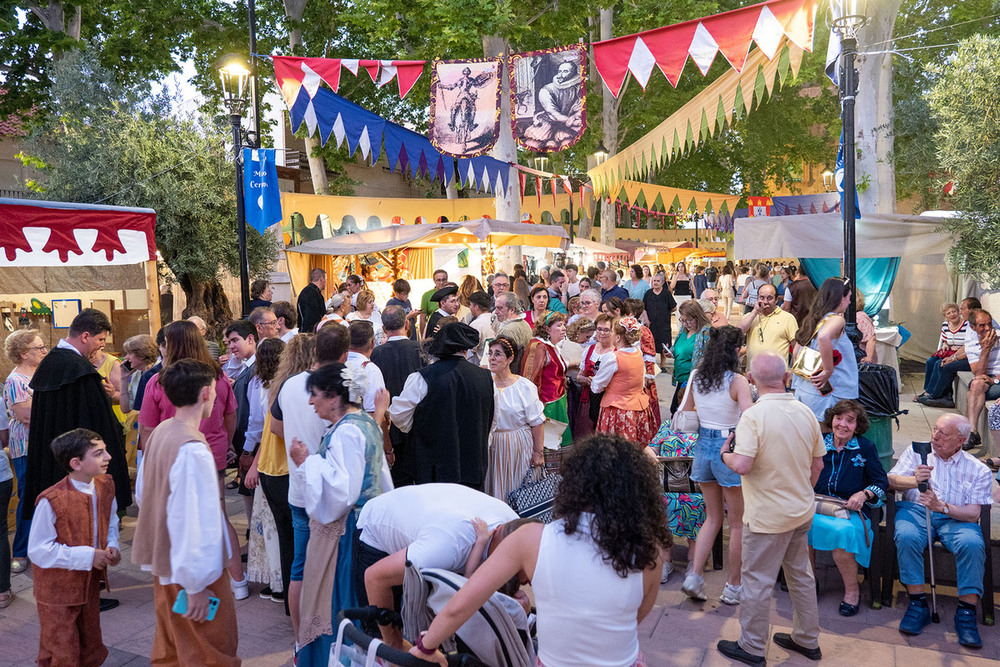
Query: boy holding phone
x,y
180,536
73,539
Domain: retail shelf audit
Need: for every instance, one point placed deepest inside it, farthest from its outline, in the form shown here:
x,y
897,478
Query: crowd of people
x,y
365,436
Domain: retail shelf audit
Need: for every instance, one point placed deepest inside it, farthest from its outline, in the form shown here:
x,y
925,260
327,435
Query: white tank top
x,y
586,612
716,410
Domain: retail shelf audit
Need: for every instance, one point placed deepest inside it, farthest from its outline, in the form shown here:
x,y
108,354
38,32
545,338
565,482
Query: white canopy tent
x,y
923,281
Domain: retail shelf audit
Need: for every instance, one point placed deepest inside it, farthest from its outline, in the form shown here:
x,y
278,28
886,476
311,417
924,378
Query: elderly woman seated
x,y
852,472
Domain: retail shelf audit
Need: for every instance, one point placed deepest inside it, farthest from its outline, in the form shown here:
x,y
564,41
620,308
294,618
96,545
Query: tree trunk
x,y
207,300
317,166
876,169
53,17
508,204
609,113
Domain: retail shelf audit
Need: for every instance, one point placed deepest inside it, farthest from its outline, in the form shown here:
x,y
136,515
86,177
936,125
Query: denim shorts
x,y
708,466
300,531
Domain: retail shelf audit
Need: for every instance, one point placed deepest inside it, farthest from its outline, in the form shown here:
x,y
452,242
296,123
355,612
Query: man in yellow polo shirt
x,y
768,327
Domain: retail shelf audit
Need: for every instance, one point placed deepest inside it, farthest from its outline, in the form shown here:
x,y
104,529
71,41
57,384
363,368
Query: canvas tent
x,y
922,282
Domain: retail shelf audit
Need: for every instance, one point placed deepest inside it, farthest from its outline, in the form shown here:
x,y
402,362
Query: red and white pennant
x,y
292,73
730,33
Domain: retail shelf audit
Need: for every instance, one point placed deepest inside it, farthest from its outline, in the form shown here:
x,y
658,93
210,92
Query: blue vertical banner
x,y
839,179
261,198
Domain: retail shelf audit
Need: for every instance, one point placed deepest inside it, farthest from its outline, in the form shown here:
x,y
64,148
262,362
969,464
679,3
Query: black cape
x,y
69,394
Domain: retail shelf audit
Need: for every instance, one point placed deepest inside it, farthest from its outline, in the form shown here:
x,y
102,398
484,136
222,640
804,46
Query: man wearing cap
x,y
448,304
447,409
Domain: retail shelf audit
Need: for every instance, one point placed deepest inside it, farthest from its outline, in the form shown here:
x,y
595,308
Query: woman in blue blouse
x,y
851,471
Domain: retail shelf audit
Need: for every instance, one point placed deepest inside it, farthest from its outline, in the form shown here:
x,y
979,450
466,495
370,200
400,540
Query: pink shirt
x,y
156,408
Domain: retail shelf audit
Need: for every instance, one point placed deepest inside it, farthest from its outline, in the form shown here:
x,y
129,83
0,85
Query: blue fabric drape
x,y
875,276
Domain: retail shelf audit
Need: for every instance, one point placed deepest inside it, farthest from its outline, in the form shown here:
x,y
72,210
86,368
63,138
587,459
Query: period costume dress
x,y
544,366
625,408
648,347
516,409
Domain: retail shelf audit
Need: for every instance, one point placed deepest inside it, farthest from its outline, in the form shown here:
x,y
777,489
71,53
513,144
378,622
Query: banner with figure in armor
x,y
548,97
465,106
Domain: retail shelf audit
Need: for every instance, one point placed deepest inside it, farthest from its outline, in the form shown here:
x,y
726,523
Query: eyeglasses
x,y
39,347
603,330
270,323
760,335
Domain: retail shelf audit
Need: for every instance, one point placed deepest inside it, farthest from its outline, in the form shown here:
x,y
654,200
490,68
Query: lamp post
x,y
234,76
846,18
827,180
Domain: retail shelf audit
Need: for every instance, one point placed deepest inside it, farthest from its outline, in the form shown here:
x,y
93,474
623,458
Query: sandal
x,y
992,461
6,599
848,609
917,397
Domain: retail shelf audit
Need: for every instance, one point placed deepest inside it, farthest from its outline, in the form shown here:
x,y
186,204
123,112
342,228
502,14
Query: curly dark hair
x,y
268,357
721,356
842,407
608,477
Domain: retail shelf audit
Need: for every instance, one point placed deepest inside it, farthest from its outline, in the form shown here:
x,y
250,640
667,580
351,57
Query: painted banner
x,y
261,198
548,97
465,106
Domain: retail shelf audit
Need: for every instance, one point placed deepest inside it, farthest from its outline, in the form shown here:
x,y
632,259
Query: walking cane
x,y
922,449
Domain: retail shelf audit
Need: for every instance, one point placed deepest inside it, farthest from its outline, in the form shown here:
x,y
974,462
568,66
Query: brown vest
x,y
74,512
151,544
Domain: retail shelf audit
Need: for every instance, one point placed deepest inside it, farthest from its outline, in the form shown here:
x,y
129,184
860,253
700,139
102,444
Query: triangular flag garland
x,y
728,98
332,115
292,72
730,33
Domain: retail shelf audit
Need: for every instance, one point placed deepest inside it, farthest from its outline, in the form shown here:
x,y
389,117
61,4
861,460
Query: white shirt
x,y
961,480
484,325
609,364
290,335
375,379
403,406
199,542
300,422
332,485
973,350
376,322
433,522
257,398
43,549
64,345
573,289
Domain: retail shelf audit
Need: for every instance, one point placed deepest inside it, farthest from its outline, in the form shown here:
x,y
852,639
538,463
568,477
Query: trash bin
x,y
878,391
880,433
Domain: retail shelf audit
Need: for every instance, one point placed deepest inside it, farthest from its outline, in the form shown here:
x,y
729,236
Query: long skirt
x,y
829,533
557,411
639,426
263,553
578,404
328,569
510,458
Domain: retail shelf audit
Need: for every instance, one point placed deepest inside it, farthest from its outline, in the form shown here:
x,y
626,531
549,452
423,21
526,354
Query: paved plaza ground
x,y
677,632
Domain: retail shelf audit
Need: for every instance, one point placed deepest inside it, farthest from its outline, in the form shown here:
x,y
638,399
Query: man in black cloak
x,y
69,393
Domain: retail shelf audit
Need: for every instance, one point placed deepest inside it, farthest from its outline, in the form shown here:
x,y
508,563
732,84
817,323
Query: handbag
x,y
686,421
534,499
808,361
837,508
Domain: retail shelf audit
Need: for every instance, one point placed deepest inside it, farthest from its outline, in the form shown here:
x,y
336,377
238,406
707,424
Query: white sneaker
x,y
730,594
241,589
694,586
668,567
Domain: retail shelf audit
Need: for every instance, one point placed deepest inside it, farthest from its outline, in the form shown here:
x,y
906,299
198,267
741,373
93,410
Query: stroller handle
x,y
395,656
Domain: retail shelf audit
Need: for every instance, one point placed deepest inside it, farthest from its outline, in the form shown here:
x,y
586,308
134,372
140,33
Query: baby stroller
x,y
368,651
497,635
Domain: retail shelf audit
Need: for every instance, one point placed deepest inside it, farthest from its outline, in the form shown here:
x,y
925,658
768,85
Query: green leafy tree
x,y
109,144
967,112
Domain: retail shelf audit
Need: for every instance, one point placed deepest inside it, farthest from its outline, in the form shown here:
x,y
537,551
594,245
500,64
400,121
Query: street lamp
x,y
234,76
846,18
827,180
600,155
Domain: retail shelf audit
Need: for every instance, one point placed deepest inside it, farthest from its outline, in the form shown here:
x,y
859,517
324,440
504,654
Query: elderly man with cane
x,y
952,486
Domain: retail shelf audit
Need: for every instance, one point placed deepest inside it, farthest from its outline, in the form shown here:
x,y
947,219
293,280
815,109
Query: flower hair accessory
x,y
630,323
356,380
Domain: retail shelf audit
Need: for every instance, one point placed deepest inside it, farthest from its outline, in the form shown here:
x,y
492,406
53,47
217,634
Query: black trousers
x,y
363,557
276,493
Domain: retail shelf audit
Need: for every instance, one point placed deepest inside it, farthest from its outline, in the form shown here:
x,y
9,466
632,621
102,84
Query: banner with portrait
x,y
548,97
465,106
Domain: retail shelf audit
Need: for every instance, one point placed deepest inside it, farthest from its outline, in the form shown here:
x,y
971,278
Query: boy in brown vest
x,y
73,539
180,536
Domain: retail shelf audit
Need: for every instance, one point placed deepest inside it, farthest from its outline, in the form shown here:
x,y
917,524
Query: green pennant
x,y
739,105
784,65
676,205
720,116
658,204
760,85
689,138
676,150
703,131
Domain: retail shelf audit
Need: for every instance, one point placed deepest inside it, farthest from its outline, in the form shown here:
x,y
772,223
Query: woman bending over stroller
x,y
609,498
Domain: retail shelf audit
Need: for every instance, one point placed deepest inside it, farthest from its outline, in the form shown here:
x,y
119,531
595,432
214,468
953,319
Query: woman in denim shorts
x,y
719,394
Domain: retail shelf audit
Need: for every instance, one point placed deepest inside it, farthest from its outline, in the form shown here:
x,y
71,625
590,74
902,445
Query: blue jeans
x,y
963,539
20,546
708,465
945,377
300,531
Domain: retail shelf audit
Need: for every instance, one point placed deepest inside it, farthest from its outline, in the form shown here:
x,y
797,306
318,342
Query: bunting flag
x,y
730,33
261,197
648,196
548,97
538,189
465,106
522,179
330,114
722,102
293,72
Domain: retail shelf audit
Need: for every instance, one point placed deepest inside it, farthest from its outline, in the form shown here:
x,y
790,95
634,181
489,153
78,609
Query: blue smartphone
x,y
181,605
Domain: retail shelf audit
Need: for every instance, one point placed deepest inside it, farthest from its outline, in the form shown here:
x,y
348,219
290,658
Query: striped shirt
x,y
951,338
961,480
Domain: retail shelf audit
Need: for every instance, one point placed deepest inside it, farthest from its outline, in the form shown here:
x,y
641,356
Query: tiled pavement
x,y
677,632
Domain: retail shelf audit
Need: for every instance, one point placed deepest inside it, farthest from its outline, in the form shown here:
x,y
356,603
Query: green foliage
x,y
967,112
110,145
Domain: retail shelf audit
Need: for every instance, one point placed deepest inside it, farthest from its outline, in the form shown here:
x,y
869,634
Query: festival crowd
x,y
373,439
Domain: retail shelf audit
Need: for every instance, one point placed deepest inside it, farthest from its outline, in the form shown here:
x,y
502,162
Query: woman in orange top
x,y
625,408
647,345
544,366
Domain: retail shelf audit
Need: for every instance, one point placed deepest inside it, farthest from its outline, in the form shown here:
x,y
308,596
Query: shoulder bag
x,y
535,498
808,361
686,421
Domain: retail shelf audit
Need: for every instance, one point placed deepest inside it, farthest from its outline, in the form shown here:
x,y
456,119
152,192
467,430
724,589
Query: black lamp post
x,y
234,76
846,18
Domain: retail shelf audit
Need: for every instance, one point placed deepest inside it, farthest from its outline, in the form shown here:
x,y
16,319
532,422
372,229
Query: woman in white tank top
x,y
719,395
609,489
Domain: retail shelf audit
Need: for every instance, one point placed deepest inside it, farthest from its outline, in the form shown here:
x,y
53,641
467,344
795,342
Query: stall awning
x,y
598,248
